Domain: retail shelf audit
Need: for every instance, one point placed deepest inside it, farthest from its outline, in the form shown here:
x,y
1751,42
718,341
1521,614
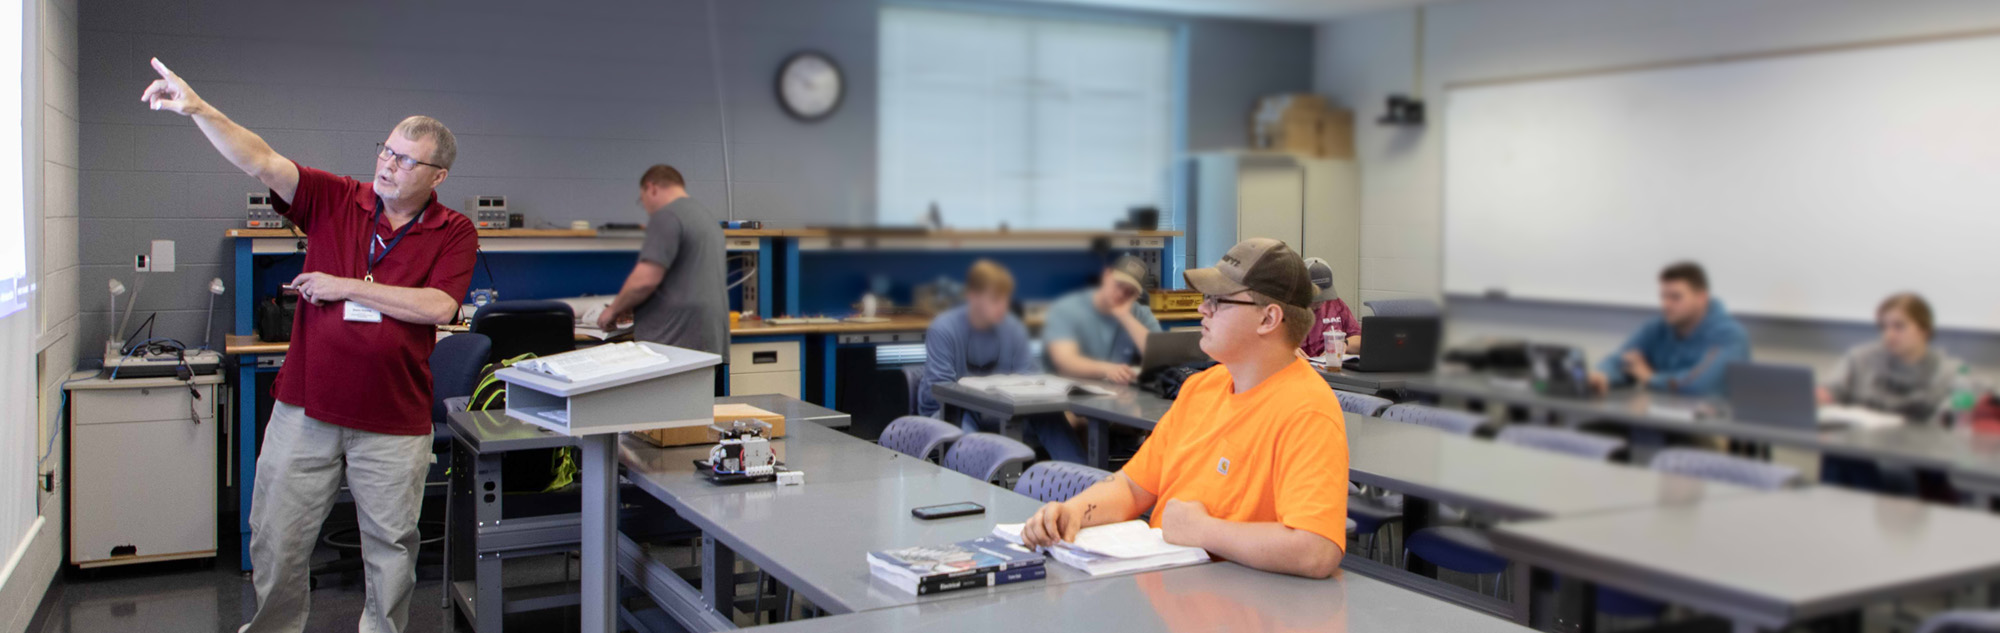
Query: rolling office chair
x,y
1362,404
1962,622
987,456
542,328
1366,515
1057,481
913,379
919,436
1403,307
1468,550
1447,420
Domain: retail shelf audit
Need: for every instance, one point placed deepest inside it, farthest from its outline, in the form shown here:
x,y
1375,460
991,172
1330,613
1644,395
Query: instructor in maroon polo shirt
x,y
385,264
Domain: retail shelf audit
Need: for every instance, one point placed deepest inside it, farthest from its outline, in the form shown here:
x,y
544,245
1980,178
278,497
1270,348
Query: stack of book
x,y
982,562
1115,548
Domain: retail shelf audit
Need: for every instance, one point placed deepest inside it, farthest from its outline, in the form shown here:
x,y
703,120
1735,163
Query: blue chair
x,y
1962,622
1578,443
1449,421
1699,464
918,436
1469,550
1724,468
1362,404
913,378
1058,481
455,365
1403,307
987,456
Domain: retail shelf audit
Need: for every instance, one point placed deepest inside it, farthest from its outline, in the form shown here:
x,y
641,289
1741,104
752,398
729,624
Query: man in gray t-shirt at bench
x,y
675,294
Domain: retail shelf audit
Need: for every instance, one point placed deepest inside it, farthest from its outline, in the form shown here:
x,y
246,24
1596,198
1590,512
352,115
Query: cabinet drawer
x,y
783,382
759,358
111,406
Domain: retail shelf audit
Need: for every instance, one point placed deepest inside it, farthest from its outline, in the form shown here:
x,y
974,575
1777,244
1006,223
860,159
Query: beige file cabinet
x,y
142,470
766,367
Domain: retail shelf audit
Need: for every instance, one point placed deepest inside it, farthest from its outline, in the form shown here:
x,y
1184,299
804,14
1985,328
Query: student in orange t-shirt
x,y
1251,461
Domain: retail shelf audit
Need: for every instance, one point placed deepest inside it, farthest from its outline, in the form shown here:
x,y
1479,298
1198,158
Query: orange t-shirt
x,y
1275,453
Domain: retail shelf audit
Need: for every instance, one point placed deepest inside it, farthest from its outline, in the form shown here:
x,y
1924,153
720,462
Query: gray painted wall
x,y
1361,60
558,106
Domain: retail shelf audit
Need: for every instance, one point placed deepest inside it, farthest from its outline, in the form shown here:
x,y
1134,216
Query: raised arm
x,y
239,146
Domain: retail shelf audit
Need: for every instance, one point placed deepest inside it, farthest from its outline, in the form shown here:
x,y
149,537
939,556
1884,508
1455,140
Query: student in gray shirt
x,y
1902,373
675,294
1098,333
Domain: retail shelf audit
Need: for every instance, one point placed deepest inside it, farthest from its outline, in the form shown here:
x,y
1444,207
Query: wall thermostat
x,y
262,216
489,212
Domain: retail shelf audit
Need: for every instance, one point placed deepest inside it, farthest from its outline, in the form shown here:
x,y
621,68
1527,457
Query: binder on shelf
x,y
677,392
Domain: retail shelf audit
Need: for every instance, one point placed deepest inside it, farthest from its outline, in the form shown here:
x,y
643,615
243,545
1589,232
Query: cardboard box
x,y
724,414
1302,124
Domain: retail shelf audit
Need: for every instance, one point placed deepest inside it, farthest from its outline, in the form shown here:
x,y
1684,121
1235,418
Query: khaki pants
x,y
298,473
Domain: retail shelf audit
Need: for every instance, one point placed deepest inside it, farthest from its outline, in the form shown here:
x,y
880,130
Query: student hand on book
x,y
608,320
1185,522
1055,523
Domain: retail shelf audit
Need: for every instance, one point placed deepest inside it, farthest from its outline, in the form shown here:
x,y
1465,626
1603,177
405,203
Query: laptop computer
x,y
1771,395
1166,350
1397,343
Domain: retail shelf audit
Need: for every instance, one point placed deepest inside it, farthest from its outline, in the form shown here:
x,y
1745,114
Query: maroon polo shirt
x,y
368,376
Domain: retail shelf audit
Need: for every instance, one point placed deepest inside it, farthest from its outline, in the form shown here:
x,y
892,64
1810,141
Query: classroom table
x,y
958,399
1768,561
1370,382
1130,407
1202,598
814,538
1973,459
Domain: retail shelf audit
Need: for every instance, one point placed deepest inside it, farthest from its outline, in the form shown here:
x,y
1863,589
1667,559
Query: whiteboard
x,y
1809,185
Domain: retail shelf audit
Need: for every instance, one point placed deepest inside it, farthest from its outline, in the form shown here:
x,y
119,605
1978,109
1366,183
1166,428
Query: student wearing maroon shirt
x,y
386,264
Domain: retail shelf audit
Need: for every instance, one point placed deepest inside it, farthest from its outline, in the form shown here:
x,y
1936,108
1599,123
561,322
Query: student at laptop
x,y
1098,333
1251,461
1686,348
1902,373
1329,313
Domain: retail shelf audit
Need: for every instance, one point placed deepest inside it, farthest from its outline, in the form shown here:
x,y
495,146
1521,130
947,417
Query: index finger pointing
x,y
162,69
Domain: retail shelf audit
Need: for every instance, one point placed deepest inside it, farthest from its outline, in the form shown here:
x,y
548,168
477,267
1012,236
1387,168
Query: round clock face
x,y
809,86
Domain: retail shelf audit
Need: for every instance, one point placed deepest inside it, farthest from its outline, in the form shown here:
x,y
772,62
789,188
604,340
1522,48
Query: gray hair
x,y
419,127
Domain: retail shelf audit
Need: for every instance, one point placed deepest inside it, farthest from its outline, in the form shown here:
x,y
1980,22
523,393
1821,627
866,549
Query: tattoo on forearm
x,y
1087,510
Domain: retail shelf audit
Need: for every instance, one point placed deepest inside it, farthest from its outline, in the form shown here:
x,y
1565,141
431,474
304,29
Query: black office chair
x,y
455,365
521,327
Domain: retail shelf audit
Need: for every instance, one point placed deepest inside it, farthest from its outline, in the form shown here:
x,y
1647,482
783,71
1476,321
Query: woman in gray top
x,y
1901,374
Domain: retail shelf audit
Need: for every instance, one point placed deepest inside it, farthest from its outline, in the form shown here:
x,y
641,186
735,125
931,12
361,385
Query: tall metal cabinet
x,y
1313,204
142,470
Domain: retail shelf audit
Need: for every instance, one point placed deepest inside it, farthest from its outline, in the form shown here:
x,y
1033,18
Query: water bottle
x,y
1964,396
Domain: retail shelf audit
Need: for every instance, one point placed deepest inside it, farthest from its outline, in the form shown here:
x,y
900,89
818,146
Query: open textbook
x,y
1115,548
1032,387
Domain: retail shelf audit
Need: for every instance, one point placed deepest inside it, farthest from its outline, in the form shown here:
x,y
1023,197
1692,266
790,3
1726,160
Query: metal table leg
x,y
1099,443
1418,514
599,604
718,577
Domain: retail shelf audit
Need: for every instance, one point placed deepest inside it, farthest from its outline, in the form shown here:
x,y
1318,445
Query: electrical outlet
x,y
142,263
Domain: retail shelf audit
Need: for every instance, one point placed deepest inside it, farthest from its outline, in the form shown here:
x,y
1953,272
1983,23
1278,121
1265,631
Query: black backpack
x,y
1168,383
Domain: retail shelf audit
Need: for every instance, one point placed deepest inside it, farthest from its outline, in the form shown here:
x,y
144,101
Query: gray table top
x,y
1929,447
815,538
1770,559
1131,407
982,401
1512,481
493,431
1203,598
1371,381
824,455
793,409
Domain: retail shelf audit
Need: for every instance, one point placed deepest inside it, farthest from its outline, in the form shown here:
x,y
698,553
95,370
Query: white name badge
x,y
362,313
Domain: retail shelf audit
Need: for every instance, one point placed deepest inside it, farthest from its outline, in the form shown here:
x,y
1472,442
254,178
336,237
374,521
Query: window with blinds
x,y
1037,123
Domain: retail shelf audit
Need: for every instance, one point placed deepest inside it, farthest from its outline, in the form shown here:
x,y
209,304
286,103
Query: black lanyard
x,y
372,238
